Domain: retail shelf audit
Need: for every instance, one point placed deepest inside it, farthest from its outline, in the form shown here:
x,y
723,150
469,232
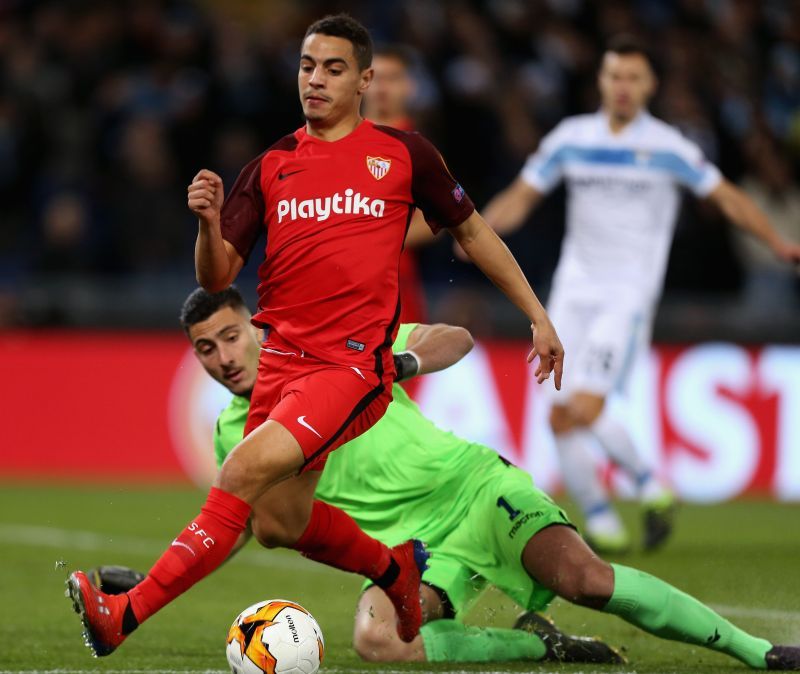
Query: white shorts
x,y
601,338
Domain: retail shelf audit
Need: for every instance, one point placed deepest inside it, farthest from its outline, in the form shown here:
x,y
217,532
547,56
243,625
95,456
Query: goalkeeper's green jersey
x,y
403,478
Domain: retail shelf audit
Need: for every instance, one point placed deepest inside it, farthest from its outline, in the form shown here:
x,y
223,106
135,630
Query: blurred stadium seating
x,y
108,109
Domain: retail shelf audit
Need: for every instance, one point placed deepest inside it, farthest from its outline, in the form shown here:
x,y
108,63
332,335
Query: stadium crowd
x,y
107,110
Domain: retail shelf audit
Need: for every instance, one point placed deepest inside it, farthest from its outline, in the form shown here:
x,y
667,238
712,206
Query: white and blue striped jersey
x,y
622,201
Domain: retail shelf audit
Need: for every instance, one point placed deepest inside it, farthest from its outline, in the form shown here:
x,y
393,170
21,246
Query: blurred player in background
x,y
484,520
388,102
623,171
336,198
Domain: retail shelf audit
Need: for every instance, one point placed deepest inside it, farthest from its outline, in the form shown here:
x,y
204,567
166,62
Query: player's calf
x,y
561,561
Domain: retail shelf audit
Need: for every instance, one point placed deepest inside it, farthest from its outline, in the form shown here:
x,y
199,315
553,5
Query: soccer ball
x,y
275,637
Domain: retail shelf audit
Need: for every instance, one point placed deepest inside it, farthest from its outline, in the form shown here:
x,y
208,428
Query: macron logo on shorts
x,y
302,421
352,203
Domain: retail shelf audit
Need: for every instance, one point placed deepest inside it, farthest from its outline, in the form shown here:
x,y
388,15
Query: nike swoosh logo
x,y
180,544
302,421
283,176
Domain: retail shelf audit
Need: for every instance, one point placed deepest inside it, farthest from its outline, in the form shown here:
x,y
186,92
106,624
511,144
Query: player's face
x,y
227,346
626,84
391,89
330,82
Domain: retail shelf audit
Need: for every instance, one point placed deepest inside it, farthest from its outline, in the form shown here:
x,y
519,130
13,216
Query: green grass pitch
x,y
743,558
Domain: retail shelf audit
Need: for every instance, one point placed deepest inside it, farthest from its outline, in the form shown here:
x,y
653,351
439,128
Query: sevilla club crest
x,y
378,166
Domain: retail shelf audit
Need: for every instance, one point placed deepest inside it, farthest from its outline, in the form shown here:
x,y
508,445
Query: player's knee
x,y
560,420
374,644
273,534
234,476
258,462
584,411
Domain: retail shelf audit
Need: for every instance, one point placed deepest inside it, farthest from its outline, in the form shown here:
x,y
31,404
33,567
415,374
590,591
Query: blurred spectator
x,y
64,245
769,181
146,202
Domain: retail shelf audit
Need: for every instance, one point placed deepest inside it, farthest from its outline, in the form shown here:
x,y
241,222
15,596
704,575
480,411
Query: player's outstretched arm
x,y
488,251
433,348
741,210
216,261
506,211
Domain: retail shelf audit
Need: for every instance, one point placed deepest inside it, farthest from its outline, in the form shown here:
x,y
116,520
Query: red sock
x,y
333,538
199,549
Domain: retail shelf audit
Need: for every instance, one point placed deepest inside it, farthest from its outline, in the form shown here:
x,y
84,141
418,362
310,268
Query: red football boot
x,y
104,616
401,584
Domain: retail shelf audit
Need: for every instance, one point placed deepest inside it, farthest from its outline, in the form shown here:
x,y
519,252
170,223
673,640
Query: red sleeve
x,y
242,217
434,190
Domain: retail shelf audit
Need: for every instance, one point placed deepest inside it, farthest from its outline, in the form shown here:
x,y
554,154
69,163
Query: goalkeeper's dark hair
x,y
201,305
345,26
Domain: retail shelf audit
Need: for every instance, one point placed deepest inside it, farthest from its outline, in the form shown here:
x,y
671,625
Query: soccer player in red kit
x,y
335,198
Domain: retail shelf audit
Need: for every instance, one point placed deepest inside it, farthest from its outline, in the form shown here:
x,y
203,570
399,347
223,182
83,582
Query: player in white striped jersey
x,y
623,171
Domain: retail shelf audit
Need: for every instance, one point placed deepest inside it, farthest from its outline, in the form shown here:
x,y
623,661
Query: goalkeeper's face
x,y
227,346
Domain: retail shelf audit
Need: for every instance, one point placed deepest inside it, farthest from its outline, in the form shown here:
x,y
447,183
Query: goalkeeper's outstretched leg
x,y
559,559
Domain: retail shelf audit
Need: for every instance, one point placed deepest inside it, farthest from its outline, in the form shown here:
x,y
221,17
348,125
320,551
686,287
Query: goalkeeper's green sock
x,y
450,641
658,608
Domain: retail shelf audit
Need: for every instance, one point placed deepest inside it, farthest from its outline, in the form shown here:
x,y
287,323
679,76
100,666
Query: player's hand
x,y
205,195
788,252
547,346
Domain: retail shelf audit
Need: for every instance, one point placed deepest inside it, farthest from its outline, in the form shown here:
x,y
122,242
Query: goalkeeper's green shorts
x,y
486,546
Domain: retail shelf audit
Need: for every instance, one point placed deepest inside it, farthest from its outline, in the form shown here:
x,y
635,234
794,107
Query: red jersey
x,y
412,293
336,214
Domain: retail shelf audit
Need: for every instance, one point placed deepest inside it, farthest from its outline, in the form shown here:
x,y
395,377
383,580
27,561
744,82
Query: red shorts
x,y
322,405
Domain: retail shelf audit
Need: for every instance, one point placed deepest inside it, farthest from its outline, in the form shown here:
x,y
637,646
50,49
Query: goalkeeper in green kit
x,y
483,520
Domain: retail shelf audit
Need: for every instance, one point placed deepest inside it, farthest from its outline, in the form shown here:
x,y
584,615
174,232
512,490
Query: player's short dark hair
x,y
201,305
627,43
394,50
345,26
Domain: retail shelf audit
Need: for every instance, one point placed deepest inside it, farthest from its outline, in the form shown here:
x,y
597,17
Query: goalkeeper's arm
x,y
431,348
